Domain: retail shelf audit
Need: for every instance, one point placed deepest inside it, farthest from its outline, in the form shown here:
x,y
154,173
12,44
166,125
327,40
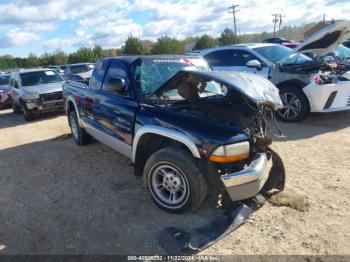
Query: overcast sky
x,y
44,25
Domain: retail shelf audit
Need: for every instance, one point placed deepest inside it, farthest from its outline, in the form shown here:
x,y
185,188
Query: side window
x,y
97,75
241,58
220,58
117,73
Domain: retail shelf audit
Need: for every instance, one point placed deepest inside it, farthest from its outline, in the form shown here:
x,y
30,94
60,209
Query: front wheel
x,y
295,105
174,181
16,109
27,114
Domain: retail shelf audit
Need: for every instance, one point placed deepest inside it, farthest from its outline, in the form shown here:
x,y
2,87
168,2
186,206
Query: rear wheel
x,y
174,180
295,105
79,134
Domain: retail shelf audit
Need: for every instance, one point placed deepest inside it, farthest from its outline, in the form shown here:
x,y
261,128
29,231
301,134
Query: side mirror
x,y
254,64
116,85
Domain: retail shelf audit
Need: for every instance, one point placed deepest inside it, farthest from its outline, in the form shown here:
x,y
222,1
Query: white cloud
x,y
109,22
16,37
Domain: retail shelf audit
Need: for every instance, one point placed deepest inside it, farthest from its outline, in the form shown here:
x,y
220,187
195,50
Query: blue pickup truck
x,y
183,126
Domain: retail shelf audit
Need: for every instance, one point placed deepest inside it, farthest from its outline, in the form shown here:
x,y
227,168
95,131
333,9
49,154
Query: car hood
x,y
254,87
44,88
325,40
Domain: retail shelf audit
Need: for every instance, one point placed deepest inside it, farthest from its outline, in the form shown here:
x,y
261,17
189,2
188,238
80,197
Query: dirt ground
x,y
59,198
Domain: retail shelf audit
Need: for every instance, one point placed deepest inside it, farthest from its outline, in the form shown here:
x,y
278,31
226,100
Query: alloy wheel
x,y
291,106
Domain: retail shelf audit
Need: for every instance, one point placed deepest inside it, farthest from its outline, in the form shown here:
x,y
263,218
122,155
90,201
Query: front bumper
x,y
328,97
248,182
46,106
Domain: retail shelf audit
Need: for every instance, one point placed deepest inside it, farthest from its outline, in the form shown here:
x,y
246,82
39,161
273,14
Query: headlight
x,y
231,153
31,96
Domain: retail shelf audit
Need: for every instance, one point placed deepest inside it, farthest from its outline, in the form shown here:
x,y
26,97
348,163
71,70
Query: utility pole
x,y
281,20
277,19
233,11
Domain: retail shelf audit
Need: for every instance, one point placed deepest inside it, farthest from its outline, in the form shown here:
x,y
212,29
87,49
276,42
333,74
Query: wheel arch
x,y
149,139
291,83
72,106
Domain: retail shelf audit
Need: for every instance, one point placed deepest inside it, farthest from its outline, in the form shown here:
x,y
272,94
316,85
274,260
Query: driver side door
x,y
114,111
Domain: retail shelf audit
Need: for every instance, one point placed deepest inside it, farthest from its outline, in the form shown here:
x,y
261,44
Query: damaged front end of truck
x,y
244,103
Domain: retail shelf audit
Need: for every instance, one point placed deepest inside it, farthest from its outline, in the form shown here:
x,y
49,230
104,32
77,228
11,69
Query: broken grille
x,y
51,97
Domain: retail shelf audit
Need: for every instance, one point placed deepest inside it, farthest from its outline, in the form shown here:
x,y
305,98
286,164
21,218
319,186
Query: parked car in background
x,y
79,72
301,80
276,40
183,126
58,69
5,99
340,55
36,90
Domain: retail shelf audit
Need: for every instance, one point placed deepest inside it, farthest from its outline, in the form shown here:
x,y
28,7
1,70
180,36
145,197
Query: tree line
x,y
136,46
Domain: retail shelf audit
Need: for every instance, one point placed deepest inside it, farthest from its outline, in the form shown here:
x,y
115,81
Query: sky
x,y
40,26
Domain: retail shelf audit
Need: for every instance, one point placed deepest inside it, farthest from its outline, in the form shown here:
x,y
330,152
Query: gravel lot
x,y
58,198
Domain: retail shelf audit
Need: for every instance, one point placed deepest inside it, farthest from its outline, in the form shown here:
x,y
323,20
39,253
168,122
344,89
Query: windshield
x,y
278,54
342,52
4,80
150,75
77,69
40,77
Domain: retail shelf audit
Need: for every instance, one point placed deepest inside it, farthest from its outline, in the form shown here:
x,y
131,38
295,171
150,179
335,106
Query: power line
x,y
233,11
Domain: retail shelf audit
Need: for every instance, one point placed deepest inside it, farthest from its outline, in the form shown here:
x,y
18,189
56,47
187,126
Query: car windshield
x,y
40,77
342,52
77,69
278,54
150,75
4,80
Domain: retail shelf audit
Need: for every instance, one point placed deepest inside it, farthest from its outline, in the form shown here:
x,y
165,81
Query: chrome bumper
x,y
248,182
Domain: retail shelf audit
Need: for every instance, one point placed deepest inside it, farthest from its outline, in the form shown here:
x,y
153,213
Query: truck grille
x,y
51,96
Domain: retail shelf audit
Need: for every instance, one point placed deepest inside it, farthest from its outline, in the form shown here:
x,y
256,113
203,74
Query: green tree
x,y
205,41
134,46
167,45
83,54
32,60
227,37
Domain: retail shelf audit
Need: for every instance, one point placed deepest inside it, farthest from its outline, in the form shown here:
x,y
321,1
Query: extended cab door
x,y
114,110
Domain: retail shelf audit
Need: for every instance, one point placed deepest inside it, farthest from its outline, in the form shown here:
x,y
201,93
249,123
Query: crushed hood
x,y
254,87
325,40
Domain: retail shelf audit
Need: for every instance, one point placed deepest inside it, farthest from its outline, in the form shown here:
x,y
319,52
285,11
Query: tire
x,y
16,109
27,114
79,134
172,173
296,105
